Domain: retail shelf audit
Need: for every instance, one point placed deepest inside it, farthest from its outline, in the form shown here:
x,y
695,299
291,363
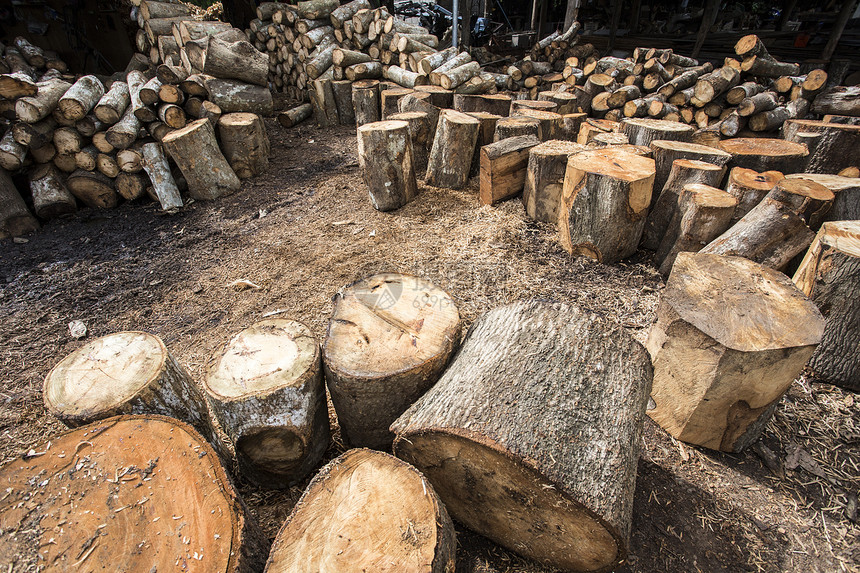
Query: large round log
x,y
604,202
266,390
51,199
837,148
453,145
545,178
386,159
388,341
366,511
531,437
131,493
235,60
196,153
846,204
830,276
762,154
233,95
365,101
244,143
92,189
749,187
644,131
730,338
15,218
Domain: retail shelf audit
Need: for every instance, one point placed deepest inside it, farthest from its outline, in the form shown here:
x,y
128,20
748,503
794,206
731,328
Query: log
x,y
156,167
437,96
548,122
547,165
235,96
683,172
295,115
321,95
388,341
32,54
454,77
365,101
345,58
317,9
235,60
107,165
342,90
12,154
171,93
768,67
806,198
605,199
51,199
244,142
92,189
644,131
749,187
265,388
195,151
503,168
497,418
43,154
744,91
15,218
764,101
453,146
421,102
837,148
431,62
762,154
123,133
665,152
317,66
403,77
710,86
65,162
34,135
89,126
17,84
81,98
132,186
420,133
389,100
829,275
40,105
171,115
749,339
67,140
110,521
86,158
130,160
408,524
170,74
340,15
364,71
188,30
386,159
838,100
846,204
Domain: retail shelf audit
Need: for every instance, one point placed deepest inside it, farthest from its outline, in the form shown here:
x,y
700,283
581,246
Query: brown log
x,y
188,30
453,145
503,168
768,67
549,123
762,154
536,476
389,100
420,133
244,142
15,218
86,158
644,131
132,186
665,152
12,153
846,204
295,115
364,71
547,165
751,45
107,165
93,190
455,62
837,148
744,91
749,339
387,162
496,104
807,198
365,100
67,140
452,78
34,108
749,187
130,160
764,101
171,115
711,85
838,100
51,199
195,150
171,93
340,15
235,96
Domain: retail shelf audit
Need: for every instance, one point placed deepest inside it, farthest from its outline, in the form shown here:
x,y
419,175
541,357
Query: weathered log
x,y
321,95
320,63
503,168
749,339
846,204
549,122
123,133
365,101
455,62
420,133
389,100
235,60
711,85
386,159
244,142
605,199
195,150
758,103
67,140
547,165
89,125
295,115
569,127
345,58
15,218
132,186
749,187
155,164
644,131
81,97
40,105
235,96
364,71
837,148
92,189
452,78
665,152
12,153
86,158
431,62
344,13
317,9
453,145
188,30
808,199
130,160
768,67
838,100
107,165
762,154
51,199
408,525
17,84
497,418
388,341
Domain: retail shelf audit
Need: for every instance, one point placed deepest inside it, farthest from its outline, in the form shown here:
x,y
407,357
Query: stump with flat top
x,y
837,147
762,154
388,341
731,336
453,145
665,152
642,131
749,187
245,144
365,101
545,178
387,162
531,437
195,150
846,203
15,217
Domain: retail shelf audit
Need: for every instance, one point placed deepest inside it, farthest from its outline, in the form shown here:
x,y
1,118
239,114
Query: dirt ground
x,y
305,229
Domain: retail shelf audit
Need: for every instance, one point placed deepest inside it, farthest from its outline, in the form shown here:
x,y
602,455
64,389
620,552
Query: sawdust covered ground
x,y
304,230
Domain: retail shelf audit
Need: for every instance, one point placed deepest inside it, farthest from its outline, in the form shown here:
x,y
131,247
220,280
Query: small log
x,y
665,152
67,140
43,154
644,131
386,159
295,115
749,339
34,134
322,98
455,62
454,77
431,62
17,84
86,158
51,199
187,30
744,91
345,58
749,188
331,508
317,66
92,189
768,67
364,71
130,160
12,153
509,412
171,115
155,164
170,74
547,165
195,150
170,93
453,146
605,199
365,101
496,104
838,100
503,168
710,86
235,96
81,98
89,125
123,133
244,142
107,165
764,101
15,218
388,341
317,9
132,186
37,107
65,162
761,154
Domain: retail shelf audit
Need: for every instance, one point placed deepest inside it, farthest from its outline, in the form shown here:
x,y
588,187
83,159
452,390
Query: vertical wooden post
x,y
845,13
785,15
634,16
613,24
572,12
467,26
712,7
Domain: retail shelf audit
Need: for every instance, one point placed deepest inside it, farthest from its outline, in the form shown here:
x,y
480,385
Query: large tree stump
x,y
761,154
665,152
846,204
496,104
15,218
830,276
837,148
545,179
453,146
365,101
420,132
503,168
549,122
92,189
366,511
386,159
749,187
604,202
266,391
730,337
531,437
244,143
195,150
644,131
388,341
155,164
131,493
51,199
684,172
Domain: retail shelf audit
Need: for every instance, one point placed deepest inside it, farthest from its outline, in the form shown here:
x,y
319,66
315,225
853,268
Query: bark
x,y
496,430
170,74
195,150
431,62
837,148
189,30
421,102
846,205
568,130
107,165
769,68
171,115
749,188
86,158
12,154
839,100
34,134
386,158
92,189
40,105
322,98
345,58
342,90
454,77
80,99
438,96
15,218
389,100
665,152
244,142
748,339
451,155
17,84
232,96
132,186
156,167
806,198
644,131
547,164
365,101
295,115
761,154
540,105
403,77
235,60
459,60
503,168
383,509
130,160
758,103
123,133
710,86
744,91
344,13
419,133
51,199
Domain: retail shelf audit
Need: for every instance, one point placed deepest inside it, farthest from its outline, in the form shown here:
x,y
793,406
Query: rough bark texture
x,y
604,202
12,153
665,152
545,179
830,276
131,486
511,438
503,168
388,341
40,105
51,199
840,100
846,204
730,338
453,146
644,131
749,188
837,148
244,142
420,135
235,60
386,159
92,189
342,90
156,167
295,115
195,150
365,101
366,511
15,218
233,95
762,154
516,126
266,390
81,97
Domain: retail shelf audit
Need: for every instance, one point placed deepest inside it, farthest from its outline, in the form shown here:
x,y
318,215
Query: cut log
x,y
107,165
368,70
762,154
846,204
549,122
295,115
516,126
81,97
155,164
419,133
317,9
15,218
171,115
751,45
389,100
235,60
665,152
421,102
106,526
710,86
830,276
17,84
547,165
86,158
195,150
768,67
494,434
407,529
569,127
454,77
232,96
244,142
758,103
838,100
365,101
132,186
496,104
123,133
644,131
388,341
92,189
386,159
340,15
51,199
503,168
188,30
748,339
837,148
605,199
810,200
130,160
12,153
266,390
40,105
453,145
749,188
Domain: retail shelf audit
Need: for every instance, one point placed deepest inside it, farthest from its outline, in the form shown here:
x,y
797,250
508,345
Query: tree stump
x,y
419,133
386,160
131,493
684,172
545,179
421,102
837,148
92,189
807,198
830,276
568,130
846,204
388,341
503,168
453,146
155,164
365,101
486,133
15,218
665,152
389,100
496,104
342,90
730,337
244,142
644,131
51,199
266,390
761,154
549,122
366,511
531,437
604,202
749,187
195,150
321,95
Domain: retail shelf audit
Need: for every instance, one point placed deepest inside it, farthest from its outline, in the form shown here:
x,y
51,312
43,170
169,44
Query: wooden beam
x,y
571,13
466,11
845,13
613,25
634,16
712,8
785,15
